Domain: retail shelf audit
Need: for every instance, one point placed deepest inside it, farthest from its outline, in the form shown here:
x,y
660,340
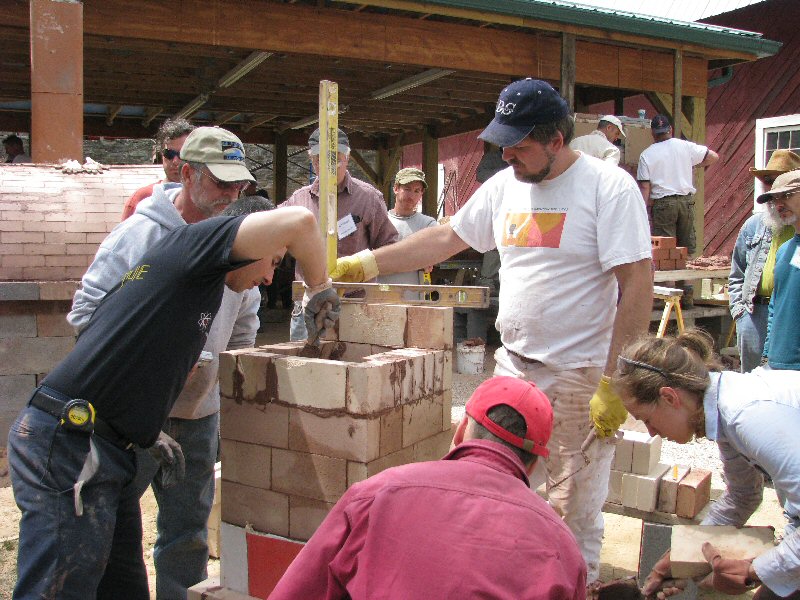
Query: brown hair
x,y
645,366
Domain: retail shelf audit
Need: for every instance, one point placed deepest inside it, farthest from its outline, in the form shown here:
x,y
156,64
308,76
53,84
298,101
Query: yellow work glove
x,y
357,268
606,409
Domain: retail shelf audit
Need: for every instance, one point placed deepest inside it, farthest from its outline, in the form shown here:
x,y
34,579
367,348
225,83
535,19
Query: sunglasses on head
x,y
170,154
625,365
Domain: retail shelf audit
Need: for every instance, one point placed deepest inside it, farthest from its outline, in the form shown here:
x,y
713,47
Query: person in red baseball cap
x,y
465,526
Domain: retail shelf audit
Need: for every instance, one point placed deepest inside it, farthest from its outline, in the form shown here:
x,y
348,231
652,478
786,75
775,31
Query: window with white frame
x,y
775,133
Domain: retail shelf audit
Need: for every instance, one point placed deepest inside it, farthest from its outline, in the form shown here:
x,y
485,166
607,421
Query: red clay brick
x,y
694,492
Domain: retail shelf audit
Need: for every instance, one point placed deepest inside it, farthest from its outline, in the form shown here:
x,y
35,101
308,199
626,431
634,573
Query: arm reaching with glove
x,y
635,282
419,250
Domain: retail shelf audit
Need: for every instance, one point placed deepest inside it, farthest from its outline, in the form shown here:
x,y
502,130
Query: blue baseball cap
x,y
660,124
522,106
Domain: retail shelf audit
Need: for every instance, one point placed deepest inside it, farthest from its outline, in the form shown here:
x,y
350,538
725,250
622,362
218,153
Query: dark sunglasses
x,y
170,154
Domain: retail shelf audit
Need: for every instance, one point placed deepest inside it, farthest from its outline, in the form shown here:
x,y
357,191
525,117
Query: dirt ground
x,y
619,556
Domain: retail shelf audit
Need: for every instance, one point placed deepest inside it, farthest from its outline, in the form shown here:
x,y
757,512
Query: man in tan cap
x,y
782,345
600,143
409,186
751,281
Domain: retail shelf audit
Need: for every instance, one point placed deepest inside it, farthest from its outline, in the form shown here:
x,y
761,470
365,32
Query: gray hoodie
x,y
234,326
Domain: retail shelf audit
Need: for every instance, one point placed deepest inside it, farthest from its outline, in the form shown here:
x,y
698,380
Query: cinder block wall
x,y
297,432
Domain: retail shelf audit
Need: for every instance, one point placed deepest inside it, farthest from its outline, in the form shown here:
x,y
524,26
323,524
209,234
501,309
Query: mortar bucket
x,y
469,358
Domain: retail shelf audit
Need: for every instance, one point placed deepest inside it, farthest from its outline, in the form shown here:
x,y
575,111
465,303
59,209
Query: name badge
x,y
795,262
346,226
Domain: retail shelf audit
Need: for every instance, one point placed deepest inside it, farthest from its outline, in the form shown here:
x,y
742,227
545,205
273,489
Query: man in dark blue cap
x,y
572,232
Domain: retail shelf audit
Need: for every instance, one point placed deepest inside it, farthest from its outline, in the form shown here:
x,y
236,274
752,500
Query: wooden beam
x,y
150,114
567,86
388,161
373,176
280,160
664,104
698,120
258,120
677,94
430,166
113,111
225,117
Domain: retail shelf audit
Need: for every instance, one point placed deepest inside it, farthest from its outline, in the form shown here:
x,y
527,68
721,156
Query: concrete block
x,y
309,475
359,471
694,492
371,387
641,491
32,355
422,419
257,376
13,326
311,382
53,325
434,447
668,492
248,464
733,543
391,431
263,424
18,290
615,487
341,436
230,377
430,327
264,510
380,324
646,453
305,516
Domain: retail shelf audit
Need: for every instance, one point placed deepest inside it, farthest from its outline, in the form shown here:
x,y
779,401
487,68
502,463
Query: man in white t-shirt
x,y
409,186
572,233
665,179
600,143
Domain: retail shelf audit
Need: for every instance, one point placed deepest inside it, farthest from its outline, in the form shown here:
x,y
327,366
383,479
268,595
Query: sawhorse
x,y
672,299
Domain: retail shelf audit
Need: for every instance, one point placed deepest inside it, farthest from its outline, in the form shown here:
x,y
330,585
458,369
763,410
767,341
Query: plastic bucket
x,y
469,359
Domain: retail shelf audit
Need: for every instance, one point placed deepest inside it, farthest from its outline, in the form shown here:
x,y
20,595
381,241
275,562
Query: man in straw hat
x,y
751,280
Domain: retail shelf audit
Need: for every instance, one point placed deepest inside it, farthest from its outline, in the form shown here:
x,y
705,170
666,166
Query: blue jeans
x,y
60,554
751,331
181,551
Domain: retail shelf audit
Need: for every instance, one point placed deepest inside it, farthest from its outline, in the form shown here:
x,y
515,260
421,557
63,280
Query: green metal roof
x,y
572,13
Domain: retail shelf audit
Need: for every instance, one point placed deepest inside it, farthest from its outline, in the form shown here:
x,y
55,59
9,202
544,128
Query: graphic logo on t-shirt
x,y
533,230
135,273
204,322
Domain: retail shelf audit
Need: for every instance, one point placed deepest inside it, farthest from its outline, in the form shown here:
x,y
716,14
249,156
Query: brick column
x,y
56,80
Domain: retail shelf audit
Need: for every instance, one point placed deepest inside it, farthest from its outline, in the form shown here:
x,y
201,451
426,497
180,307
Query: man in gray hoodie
x,y
181,549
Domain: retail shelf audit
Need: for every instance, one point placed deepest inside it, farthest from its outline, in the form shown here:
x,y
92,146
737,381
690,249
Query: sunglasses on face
x,y
226,185
170,154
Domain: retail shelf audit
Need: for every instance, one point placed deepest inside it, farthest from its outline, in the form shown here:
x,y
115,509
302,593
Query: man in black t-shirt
x,y
72,481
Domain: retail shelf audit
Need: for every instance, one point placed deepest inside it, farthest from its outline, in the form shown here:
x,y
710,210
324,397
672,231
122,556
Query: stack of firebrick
x,y
667,255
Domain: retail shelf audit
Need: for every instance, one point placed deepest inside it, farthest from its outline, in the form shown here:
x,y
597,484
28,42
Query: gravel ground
x,y
699,454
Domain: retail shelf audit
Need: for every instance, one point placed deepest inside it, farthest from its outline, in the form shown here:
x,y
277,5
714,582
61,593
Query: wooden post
x,y
677,94
567,87
328,163
698,115
430,166
280,168
56,30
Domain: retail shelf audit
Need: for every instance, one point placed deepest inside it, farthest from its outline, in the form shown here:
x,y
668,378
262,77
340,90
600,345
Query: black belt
x,y
53,403
525,359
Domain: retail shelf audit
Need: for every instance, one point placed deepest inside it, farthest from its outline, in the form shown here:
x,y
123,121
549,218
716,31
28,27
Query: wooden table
x,y
691,274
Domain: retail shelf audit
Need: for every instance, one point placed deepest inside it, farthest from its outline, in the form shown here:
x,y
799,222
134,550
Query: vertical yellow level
x,y
328,163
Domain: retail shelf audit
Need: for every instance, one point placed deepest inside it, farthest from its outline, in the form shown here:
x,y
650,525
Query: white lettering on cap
x,y
505,108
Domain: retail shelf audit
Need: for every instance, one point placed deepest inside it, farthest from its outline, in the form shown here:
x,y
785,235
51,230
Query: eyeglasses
x,y
622,362
170,154
226,185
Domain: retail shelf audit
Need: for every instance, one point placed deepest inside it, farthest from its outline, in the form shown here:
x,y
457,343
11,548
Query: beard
x,y
774,220
539,176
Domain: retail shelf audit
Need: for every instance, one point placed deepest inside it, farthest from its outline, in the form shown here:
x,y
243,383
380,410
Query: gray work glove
x,y
321,307
169,456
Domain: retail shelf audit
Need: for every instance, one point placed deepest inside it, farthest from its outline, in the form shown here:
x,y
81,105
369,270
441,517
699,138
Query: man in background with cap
x,y
169,141
363,222
571,232
465,526
665,179
782,346
212,174
600,143
751,280
409,186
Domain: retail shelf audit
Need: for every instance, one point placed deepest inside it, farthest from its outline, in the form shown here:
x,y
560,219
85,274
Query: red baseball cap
x,y
524,397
